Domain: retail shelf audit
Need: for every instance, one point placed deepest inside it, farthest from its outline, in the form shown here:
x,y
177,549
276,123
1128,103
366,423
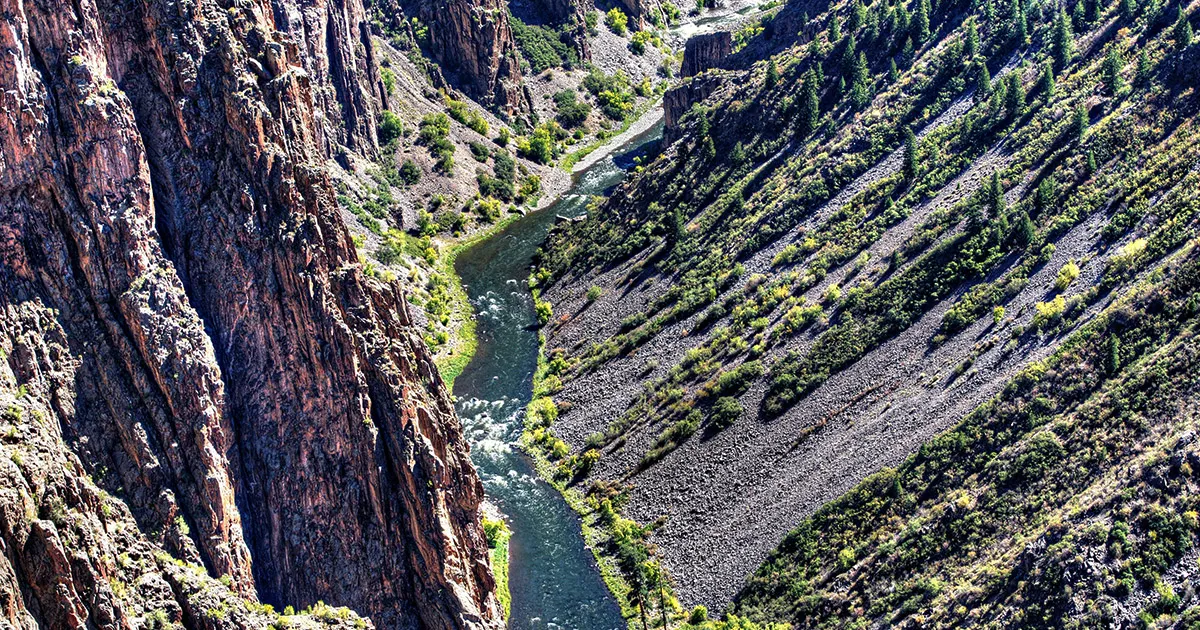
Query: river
x,y
553,577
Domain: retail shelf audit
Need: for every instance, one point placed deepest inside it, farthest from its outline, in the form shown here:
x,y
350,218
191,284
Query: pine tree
x,y
1014,94
1126,9
908,52
1183,30
1114,353
772,73
858,16
1044,196
1081,122
849,57
972,39
1018,26
921,20
1143,66
984,80
903,19
1092,13
1023,232
819,73
840,88
893,71
810,106
994,195
1062,43
835,30
1111,70
1046,85
860,86
1079,16
910,154
1091,162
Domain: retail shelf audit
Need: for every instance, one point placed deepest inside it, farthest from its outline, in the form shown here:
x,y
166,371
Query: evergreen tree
x,y
1081,122
810,106
994,196
772,73
908,52
1044,196
1018,26
849,57
1183,30
972,39
921,21
910,154
984,80
1023,232
840,88
1126,9
1062,42
1046,85
858,16
1091,162
1143,67
893,71
1092,11
860,86
819,74
903,19
1114,353
1079,16
1111,70
835,30
1014,94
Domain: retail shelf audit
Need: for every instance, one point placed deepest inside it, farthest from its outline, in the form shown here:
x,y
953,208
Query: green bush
x,y
543,47
389,127
725,412
616,21
572,112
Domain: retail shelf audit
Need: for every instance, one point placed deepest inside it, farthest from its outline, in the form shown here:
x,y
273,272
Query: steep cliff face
x,y
334,37
219,362
705,51
473,43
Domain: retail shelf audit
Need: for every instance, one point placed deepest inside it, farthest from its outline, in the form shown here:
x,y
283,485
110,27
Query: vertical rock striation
x,y
219,361
473,43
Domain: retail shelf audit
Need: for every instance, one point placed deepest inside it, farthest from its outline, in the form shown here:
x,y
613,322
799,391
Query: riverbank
x,y
460,349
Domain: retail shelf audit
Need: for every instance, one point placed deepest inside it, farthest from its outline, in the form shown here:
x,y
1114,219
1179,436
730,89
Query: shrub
x,y
616,21
543,47
1066,275
726,411
389,127
409,172
544,311
737,380
639,40
1049,312
594,293
572,112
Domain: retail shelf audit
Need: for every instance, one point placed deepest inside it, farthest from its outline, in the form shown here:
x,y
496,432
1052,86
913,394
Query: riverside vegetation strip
x,y
989,219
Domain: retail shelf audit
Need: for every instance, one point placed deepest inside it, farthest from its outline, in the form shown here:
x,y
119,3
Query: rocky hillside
x,y
874,220
208,408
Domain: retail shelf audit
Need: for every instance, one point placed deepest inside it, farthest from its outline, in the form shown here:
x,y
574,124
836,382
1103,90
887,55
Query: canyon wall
x,y
185,323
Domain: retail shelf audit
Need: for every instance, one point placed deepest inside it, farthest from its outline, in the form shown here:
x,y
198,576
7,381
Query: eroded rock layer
x,y
182,307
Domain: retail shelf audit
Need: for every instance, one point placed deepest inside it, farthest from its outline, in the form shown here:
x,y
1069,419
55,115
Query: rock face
x,y
639,11
473,43
679,99
572,13
181,305
335,39
706,51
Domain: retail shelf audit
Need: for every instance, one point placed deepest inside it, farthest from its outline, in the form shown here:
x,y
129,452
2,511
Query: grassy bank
x,y
622,549
575,156
498,534
462,339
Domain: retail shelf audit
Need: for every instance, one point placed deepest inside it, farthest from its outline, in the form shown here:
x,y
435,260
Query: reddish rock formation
x,y
179,298
472,42
702,52
335,39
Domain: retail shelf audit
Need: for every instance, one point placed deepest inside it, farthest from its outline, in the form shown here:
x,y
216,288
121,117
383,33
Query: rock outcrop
x,y
473,43
705,51
335,39
679,99
639,11
183,317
